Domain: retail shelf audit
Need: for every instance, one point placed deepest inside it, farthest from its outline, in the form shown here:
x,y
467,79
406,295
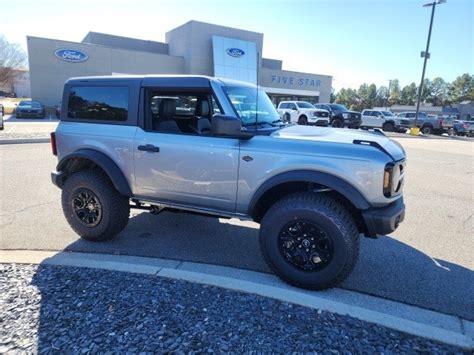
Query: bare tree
x,y
12,58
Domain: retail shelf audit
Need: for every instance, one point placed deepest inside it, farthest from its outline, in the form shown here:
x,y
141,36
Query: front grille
x,y
398,177
322,114
406,122
354,115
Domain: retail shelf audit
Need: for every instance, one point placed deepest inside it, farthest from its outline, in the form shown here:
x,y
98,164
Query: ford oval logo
x,y
235,52
71,55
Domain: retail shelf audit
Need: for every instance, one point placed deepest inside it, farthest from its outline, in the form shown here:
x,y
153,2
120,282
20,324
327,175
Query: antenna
x,y
256,104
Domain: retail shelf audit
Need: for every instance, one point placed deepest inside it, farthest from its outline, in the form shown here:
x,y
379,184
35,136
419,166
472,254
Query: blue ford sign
x,y
71,55
235,52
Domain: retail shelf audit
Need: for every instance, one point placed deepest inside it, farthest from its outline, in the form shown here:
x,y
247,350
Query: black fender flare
x,y
104,162
333,182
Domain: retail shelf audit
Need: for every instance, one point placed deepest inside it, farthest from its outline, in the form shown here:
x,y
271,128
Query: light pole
x,y
426,54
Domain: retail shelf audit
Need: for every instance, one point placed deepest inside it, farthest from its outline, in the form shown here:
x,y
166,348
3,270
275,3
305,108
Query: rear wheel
x,y
302,120
93,207
309,240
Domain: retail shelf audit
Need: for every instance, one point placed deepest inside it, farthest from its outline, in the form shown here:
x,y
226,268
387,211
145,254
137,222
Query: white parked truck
x,y
303,113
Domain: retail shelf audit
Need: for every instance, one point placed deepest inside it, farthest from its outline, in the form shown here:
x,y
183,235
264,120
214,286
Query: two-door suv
x,y
217,147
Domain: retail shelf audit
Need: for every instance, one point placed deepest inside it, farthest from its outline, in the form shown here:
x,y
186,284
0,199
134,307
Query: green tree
x,y
381,99
438,92
408,94
346,97
461,89
394,98
371,96
426,92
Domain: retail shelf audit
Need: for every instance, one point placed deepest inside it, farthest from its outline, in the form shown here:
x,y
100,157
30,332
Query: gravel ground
x,y
51,309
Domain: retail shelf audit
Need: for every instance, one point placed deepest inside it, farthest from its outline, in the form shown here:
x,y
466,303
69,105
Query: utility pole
x,y
426,55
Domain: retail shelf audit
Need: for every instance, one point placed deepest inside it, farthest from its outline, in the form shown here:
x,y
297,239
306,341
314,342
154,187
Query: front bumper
x,y
316,121
57,177
384,220
30,114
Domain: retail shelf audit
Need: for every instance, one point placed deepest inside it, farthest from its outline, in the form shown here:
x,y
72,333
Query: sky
x,y
355,41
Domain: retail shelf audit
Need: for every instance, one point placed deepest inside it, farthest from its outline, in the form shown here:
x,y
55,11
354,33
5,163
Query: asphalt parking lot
x,y
426,262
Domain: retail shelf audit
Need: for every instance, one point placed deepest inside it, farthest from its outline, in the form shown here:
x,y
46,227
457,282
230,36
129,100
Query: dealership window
x,y
98,103
180,112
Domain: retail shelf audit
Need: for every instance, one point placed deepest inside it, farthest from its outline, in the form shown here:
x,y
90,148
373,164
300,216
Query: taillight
x,y
53,143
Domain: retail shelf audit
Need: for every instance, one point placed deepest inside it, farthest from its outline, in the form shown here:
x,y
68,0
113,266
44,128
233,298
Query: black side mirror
x,y
229,126
294,108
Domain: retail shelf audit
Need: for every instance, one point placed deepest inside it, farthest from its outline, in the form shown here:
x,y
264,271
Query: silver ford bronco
x,y
217,147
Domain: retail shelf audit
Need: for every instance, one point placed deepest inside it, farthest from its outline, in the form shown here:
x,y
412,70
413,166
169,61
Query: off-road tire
x,y
330,216
303,120
388,127
115,207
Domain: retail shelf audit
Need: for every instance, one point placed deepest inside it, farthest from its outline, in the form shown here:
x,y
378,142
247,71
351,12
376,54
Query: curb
x,y
408,319
24,141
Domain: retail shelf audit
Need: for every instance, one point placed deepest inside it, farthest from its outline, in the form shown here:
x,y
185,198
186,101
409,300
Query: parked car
x,y
30,109
303,113
7,94
57,111
313,191
340,116
2,111
426,124
463,128
378,119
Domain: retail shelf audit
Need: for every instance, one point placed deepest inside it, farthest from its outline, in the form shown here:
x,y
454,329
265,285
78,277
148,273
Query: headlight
x,y
393,178
345,115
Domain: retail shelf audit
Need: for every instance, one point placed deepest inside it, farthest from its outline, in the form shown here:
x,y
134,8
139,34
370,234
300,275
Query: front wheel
x,y
388,127
94,209
337,123
303,121
309,240
427,130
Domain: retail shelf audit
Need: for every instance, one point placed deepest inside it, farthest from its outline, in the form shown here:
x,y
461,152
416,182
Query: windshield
x,y
244,101
30,103
339,107
302,104
387,113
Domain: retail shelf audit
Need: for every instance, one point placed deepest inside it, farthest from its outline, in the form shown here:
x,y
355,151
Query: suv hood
x,y
338,135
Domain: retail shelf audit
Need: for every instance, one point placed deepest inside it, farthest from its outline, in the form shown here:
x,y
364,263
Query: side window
x,y
376,113
216,110
180,112
293,106
366,113
284,105
98,103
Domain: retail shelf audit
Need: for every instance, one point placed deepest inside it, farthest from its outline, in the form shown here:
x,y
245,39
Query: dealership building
x,y
193,48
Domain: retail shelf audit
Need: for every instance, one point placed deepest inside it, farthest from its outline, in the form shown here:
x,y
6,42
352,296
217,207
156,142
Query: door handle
x,y
149,148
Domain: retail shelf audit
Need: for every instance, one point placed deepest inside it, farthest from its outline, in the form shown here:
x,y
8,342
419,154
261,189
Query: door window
x,y
180,112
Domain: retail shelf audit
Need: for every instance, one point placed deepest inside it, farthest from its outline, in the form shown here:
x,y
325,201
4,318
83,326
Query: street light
x,y
426,54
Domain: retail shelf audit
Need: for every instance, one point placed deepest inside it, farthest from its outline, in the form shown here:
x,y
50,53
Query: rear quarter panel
x,y
114,141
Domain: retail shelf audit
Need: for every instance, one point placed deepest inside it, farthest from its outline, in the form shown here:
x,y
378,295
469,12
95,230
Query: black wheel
x,y
303,120
451,131
93,207
287,117
337,123
388,127
309,240
427,130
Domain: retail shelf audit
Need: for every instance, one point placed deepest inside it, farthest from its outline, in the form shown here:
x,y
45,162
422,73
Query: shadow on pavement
x,y
386,268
